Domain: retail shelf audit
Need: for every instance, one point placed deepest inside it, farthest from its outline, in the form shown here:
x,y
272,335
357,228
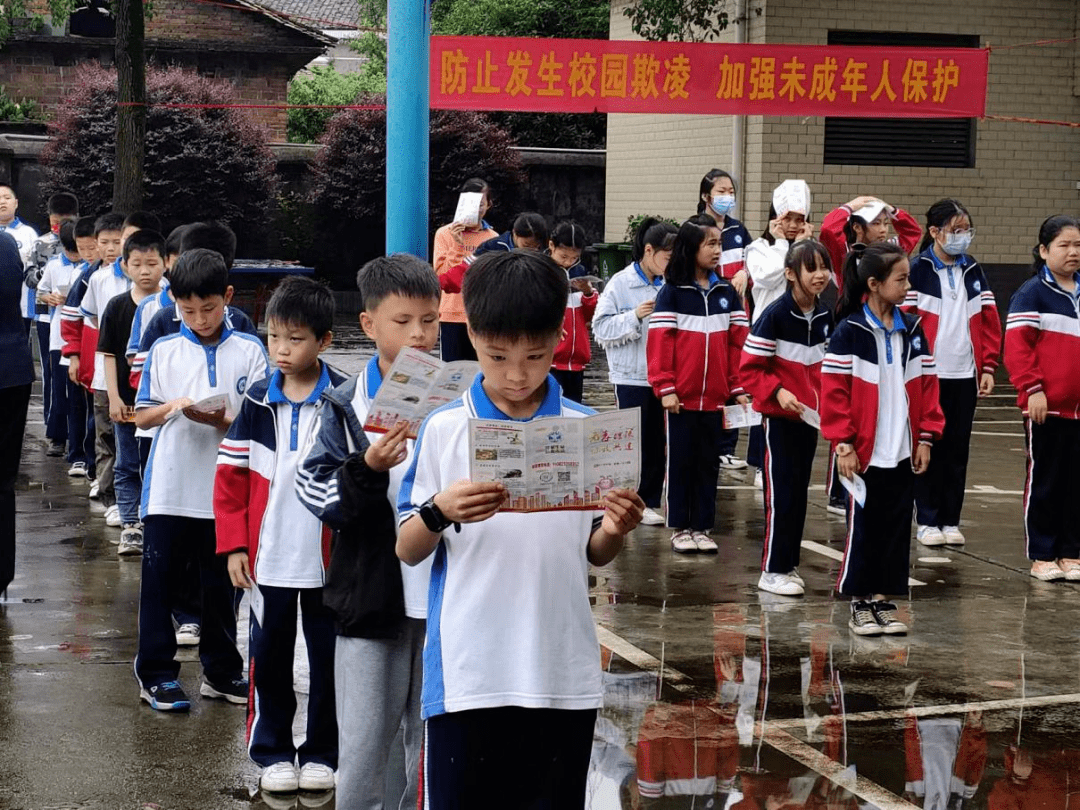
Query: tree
x,y
349,190
131,109
324,85
200,163
685,20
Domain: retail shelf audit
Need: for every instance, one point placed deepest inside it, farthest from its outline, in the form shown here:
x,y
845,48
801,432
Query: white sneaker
x,y
930,536
94,489
131,540
682,541
112,517
279,778
187,635
780,584
953,536
729,462
705,543
650,517
759,480
77,470
316,776
795,576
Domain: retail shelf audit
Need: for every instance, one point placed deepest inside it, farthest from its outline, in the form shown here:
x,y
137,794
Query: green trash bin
x,y
612,257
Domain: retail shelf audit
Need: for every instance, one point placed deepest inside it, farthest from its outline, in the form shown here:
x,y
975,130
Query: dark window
x,y
940,142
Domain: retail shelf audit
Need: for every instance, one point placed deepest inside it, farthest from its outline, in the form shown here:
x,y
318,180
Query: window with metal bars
x,y
938,142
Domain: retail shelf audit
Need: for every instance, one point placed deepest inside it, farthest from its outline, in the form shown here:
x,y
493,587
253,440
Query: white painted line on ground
x,y
641,659
985,489
836,554
992,433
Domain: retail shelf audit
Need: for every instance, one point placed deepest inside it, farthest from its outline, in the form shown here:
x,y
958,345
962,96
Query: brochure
x,y
856,486
557,462
204,407
737,416
416,385
468,208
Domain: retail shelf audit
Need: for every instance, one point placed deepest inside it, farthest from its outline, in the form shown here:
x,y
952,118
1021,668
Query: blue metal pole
x,y
408,32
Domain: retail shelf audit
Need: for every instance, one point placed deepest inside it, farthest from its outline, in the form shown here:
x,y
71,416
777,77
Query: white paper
x,y
204,406
811,417
737,416
258,608
856,486
468,208
555,462
416,385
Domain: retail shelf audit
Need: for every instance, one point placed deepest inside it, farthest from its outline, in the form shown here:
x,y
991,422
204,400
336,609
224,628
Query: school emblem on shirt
x,y
724,303
241,385
738,239
826,331
977,286
916,343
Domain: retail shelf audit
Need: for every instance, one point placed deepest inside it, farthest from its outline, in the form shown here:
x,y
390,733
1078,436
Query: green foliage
x,y
18,111
14,17
521,18
324,85
634,222
685,20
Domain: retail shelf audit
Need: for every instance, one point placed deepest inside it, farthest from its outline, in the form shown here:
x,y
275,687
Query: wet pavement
x,y
716,695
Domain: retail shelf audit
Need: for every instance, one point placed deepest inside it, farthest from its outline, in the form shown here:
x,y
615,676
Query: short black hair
x,y
175,237
515,295
85,226
302,301
199,272
397,274
145,239
67,236
213,236
143,220
63,204
109,222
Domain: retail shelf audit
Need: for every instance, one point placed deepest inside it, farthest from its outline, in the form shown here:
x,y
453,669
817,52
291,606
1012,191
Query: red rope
x,y
1030,44
1019,120
181,106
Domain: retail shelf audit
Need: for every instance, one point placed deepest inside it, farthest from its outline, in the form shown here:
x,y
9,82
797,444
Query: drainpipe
x,y
738,130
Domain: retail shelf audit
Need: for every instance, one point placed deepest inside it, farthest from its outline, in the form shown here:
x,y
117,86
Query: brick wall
x,y
1022,174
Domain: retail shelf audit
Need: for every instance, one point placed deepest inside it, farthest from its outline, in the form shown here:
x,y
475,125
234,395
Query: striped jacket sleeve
x,y
738,330
989,325
1022,333
71,320
660,349
232,485
759,361
837,414
932,418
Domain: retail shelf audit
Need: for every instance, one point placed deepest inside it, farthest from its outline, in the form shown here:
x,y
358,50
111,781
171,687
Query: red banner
x,y
579,75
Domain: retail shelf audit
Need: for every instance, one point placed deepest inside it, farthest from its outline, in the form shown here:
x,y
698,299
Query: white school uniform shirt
x,y
892,436
144,313
954,354
102,288
59,272
179,477
415,579
290,538
509,622
24,236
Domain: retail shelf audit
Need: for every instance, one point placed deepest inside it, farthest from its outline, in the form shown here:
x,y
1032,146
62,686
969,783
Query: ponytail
x,y
862,264
653,231
941,214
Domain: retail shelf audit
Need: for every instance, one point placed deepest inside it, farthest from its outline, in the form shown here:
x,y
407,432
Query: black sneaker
x,y
862,621
234,691
166,697
887,619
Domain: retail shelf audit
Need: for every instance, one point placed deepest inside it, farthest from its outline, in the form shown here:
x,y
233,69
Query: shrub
x,y
324,85
18,111
199,163
634,222
349,191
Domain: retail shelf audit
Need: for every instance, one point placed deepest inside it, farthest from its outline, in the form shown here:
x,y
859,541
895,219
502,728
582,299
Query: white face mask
x,y
723,203
957,244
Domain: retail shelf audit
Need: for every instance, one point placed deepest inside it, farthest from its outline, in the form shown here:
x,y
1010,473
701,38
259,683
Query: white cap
x,y
869,212
791,195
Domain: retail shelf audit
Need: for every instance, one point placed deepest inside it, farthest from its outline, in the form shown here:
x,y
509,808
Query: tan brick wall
x,y
1022,172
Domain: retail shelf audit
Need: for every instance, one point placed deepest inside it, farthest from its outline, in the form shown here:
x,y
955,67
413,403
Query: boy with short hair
x,y
57,278
511,662
205,358
144,264
350,481
24,236
80,401
272,541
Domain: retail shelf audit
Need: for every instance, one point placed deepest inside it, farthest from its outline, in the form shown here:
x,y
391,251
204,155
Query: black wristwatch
x,y
433,517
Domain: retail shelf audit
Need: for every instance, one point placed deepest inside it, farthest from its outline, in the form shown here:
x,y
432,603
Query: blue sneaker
x,y
234,691
166,697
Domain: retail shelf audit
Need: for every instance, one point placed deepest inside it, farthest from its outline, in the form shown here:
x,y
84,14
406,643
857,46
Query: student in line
x,y
1042,339
573,353
950,294
781,370
880,412
621,326
530,232
696,336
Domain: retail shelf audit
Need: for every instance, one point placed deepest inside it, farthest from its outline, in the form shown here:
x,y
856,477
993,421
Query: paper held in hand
x,y
856,486
468,208
204,407
737,416
556,462
416,385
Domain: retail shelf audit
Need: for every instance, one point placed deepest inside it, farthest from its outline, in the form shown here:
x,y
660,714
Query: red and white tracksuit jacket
x,y
908,233
573,352
73,327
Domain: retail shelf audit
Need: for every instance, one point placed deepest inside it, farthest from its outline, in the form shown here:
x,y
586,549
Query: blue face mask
x,y
723,203
957,244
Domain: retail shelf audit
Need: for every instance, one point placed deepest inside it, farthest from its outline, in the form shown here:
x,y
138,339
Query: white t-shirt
x,y
415,579
179,476
289,554
892,437
24,236
59,272
102,288
954,354
509,622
